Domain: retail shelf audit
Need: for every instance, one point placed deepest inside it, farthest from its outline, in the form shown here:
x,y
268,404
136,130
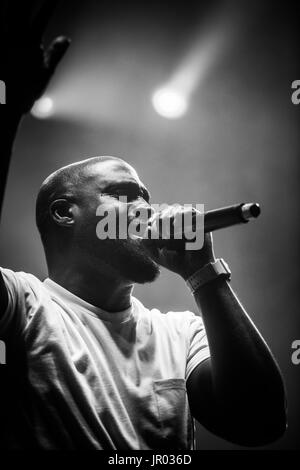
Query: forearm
x,y
239,393
26,68
243,368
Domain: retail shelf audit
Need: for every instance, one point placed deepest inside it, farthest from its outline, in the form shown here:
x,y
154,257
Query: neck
x,y
108,294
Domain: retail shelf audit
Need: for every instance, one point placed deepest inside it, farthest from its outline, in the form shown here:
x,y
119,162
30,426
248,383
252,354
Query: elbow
x,y
264,433
258,419
266,416
265,426
273,423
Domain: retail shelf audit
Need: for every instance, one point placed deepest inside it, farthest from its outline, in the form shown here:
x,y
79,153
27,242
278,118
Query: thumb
x,y
55,52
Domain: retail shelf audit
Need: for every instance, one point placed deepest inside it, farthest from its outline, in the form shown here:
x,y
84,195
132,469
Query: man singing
x,y
90,367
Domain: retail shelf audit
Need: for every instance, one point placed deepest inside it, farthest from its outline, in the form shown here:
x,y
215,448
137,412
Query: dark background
x,y
239,141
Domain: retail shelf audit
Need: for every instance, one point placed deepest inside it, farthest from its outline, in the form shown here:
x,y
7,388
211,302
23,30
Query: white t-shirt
x,y
100,380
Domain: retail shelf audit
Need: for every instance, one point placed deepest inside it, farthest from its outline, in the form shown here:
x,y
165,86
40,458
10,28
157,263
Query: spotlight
x,y
169,103
43,108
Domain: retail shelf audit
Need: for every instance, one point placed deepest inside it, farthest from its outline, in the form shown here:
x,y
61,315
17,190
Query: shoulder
x,y
23,289
24,292
20,281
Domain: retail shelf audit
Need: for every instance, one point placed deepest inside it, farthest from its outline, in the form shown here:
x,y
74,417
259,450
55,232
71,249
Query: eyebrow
x,y
129,185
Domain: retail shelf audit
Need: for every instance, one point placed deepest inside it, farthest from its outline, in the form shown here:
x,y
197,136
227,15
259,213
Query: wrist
x,y
193,268
211,288
207,274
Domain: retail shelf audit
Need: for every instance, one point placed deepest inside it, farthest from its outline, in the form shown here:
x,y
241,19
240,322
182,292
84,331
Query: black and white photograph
x,y
149,241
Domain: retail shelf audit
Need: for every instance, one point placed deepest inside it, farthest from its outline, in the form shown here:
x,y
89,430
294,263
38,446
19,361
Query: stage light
x,y
43,108
169,103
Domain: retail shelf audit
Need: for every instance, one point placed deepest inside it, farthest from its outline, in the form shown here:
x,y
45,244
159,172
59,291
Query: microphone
x,y
231,215
213,220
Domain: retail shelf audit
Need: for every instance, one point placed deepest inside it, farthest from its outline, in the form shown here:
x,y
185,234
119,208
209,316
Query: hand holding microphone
x,y
172,253
212,220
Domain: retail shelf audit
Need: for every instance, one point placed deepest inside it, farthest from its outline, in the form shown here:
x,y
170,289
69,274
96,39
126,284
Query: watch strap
x,y
208,273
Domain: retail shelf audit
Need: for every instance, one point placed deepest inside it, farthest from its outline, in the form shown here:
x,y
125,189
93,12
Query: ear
x,y
61,211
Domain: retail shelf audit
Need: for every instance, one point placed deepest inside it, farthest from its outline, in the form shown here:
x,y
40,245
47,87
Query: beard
x,y
134,262
130,259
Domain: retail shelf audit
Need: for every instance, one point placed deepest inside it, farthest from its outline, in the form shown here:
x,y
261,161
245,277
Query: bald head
x,y
69,182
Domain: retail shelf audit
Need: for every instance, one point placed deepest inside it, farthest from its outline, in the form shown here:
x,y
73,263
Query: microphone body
x,y
214,220
231,215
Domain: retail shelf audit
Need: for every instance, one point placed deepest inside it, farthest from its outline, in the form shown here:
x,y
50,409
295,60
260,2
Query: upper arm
x,y
201,397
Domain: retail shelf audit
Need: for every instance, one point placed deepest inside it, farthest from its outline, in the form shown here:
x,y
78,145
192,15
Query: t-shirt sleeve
x,y
14,318
198,349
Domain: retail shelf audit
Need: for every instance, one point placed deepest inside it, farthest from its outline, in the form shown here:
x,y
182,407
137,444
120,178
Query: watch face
x,y
225,265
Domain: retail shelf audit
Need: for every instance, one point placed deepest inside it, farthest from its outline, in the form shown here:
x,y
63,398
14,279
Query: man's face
x,y
106,185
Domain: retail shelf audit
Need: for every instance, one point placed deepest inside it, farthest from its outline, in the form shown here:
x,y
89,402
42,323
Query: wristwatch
x,y
208,273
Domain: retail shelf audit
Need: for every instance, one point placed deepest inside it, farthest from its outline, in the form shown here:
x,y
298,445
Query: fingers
x,y
41,19
55,52
53,55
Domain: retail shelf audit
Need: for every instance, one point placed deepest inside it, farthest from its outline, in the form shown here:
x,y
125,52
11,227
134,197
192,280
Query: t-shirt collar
x,y
70,298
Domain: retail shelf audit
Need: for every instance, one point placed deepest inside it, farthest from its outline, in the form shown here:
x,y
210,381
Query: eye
x,y
134,196
110,195
131,195
131,192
